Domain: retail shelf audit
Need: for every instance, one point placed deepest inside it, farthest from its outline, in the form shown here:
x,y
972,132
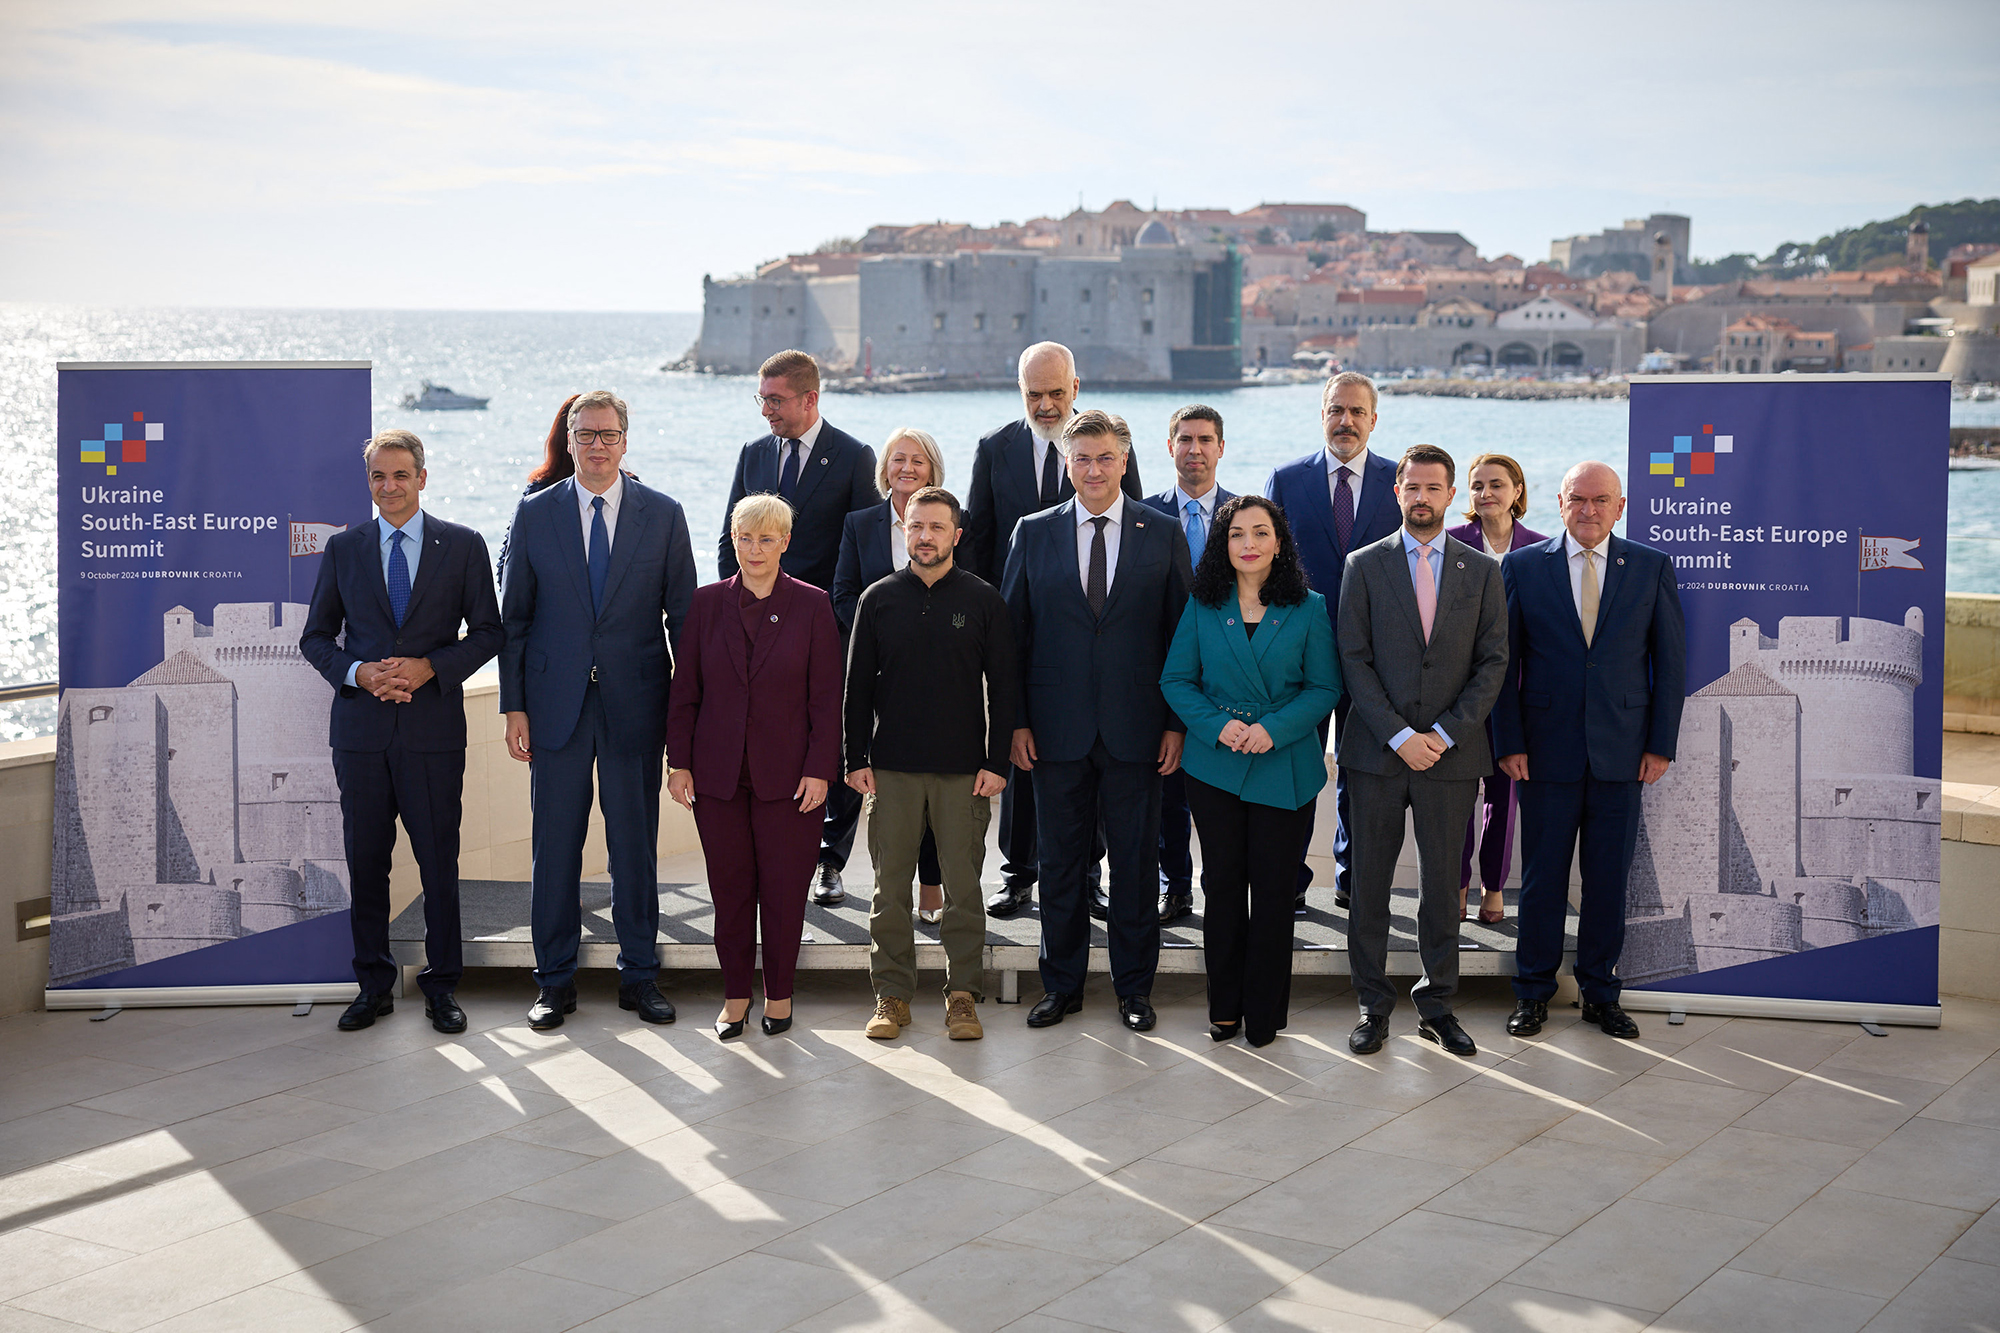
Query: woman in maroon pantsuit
x,y
753,738
1499,496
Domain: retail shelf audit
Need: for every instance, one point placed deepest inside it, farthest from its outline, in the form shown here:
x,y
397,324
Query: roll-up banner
x,y
198,849
1788,863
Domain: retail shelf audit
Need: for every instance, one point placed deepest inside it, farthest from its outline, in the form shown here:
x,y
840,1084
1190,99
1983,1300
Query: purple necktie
x,y
1343,513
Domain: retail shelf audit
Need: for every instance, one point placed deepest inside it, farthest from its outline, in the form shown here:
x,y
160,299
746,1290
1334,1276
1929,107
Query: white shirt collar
x,y
811,437
614,494
1207,502
1116,513
1335,463
1572,548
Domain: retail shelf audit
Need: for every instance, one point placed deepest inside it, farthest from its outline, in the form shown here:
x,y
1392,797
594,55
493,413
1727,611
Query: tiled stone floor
x,y
240,1169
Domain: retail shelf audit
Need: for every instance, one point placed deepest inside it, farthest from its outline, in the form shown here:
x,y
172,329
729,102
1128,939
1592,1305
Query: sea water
x,y
686,429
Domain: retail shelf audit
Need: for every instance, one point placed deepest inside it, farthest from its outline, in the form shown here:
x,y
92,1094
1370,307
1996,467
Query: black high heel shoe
x,y
1224,1031
725,1030
773,1026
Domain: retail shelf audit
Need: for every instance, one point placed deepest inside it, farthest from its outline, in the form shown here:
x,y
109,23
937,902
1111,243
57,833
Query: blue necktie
x,y
788,480
399,577
1197,531
600,554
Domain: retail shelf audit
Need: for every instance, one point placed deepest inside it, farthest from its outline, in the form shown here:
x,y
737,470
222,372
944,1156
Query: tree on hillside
x,y
1265,236
838,245
1729,268
1325,232
1879,244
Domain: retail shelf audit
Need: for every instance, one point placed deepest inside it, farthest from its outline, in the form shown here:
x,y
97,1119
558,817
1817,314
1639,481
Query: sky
x,y
605,155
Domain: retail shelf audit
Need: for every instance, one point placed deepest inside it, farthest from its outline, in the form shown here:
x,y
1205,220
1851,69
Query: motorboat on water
x,y
1973,463
438,398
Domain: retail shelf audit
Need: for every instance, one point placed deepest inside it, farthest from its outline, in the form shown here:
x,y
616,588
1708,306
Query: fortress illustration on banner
x,y
1790,819
196,804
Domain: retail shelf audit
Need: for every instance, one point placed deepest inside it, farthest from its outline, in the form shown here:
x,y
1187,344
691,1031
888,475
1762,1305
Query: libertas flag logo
x,y
1889,553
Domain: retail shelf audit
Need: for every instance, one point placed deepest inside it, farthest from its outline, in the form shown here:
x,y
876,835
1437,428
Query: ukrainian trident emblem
x,y
958,620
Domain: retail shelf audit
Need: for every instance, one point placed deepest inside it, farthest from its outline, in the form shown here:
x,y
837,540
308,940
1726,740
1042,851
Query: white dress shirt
x,y
899,540
1356,469
1433,569
1574,550
806,443
613,497
1086,532
1041,448
413,551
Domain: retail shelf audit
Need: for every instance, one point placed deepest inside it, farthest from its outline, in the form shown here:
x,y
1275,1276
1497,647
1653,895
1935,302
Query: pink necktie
x,y
1427,593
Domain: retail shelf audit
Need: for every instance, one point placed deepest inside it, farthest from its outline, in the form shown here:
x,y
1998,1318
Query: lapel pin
x,y
774,620
1461,564
1621,559
1230,621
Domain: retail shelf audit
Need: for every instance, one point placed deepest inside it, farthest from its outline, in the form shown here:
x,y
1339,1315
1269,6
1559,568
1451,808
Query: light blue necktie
x,y
399,577
1197,531
600,554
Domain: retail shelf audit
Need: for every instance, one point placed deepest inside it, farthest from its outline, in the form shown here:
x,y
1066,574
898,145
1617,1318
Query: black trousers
x,y
1555,818
1248,879
426,789
1076,797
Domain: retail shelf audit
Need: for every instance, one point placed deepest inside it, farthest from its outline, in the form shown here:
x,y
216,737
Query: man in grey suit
x,y
1423,648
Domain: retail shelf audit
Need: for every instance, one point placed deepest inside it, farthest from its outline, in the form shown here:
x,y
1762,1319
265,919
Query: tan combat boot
x,y
890,1018
961,1017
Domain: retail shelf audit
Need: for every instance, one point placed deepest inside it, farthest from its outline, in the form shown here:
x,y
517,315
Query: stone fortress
x,y
203,796
1790,819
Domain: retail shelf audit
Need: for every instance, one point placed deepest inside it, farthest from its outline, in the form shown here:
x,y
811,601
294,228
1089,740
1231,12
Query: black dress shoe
x,y
1369,1034
1260,1039
773,1026
1299,904
827,891
1011,899
1050,1009
1445,1031
1527,1018
444,1013
1100,902
366,1009
645,997
1341,900
1614,1021
725,1030
1224,1031
1175,905
549,1007
1137,1011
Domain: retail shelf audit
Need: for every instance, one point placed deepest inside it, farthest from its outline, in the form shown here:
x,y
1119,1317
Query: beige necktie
x,y
1589,597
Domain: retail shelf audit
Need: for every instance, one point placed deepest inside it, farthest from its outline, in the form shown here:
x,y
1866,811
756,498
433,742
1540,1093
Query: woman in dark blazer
x,y
1499,497
871,549
753,739
1253,674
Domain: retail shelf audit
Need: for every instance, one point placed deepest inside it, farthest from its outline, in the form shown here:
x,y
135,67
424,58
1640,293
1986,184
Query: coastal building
x,y
1790,819
204,797
1627,246
1763,344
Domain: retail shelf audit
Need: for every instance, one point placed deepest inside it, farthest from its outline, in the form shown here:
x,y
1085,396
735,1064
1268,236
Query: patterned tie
x,y
600,554
399,577
1343,514
788,480
1427,593
1099,580
1589,610
1051,476
1197,531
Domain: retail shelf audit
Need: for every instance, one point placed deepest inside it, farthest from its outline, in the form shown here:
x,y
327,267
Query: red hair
x,y
556,461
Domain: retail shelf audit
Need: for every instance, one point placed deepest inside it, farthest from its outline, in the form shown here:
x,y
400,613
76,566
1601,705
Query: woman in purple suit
x,y
1499,497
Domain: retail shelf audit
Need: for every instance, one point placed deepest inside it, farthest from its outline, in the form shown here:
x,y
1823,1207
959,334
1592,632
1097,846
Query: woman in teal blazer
x,y
1253,673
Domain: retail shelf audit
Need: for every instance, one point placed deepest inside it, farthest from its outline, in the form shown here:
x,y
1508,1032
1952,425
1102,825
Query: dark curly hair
x,y
1215,577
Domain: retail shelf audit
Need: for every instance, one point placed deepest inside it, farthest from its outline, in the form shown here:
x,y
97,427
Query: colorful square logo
x,y
1685,460
123,442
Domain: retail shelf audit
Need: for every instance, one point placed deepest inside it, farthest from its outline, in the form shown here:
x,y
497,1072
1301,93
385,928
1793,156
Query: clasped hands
x,y
394,679
1245,737
1422,750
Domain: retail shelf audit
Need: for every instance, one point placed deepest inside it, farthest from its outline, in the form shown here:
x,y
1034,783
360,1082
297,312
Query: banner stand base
x,y
177,997
1754,1006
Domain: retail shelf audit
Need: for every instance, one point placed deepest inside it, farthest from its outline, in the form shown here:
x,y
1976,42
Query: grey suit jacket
x,y
1396,680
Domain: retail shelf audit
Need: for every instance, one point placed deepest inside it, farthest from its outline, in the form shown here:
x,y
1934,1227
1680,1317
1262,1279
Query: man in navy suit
x,y
1194,442
1018,470
1097,586
1339,499
825,474
1589,710
599,576
398,588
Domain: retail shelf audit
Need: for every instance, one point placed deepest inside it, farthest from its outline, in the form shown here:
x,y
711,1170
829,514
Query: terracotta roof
x,y
1748,679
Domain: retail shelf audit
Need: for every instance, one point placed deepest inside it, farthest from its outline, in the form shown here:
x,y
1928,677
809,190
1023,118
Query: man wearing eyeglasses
x,y
1589,713
599,576
1339,498
825,474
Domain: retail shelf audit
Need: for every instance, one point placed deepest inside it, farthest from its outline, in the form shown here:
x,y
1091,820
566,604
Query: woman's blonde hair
x,y
762,513
924,441
1513,469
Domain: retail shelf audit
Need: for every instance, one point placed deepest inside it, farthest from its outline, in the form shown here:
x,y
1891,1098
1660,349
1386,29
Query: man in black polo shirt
x,y
935,645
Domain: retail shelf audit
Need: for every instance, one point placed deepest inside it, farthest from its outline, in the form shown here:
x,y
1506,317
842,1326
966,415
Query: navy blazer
x,y
1168,502
838,478
452,585
1006,488
866,557
1574,709
555,639
1300,489
1085,676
